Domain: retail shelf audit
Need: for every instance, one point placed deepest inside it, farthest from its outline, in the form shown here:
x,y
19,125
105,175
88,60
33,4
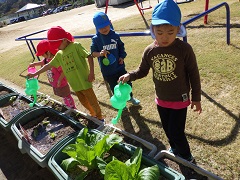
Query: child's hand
x,y
197,104
31,65
30,75
103,52
124,78
121,60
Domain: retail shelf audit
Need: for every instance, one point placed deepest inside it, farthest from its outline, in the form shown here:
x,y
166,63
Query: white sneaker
x,y
134,101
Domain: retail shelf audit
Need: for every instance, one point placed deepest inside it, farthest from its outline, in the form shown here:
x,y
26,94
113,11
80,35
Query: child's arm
x,y
98,54
40,71
91,76
39,63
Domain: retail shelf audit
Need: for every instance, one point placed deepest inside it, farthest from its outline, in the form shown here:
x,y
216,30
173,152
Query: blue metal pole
x,y
210,10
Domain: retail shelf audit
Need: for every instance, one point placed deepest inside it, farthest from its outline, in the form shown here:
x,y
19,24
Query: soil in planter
x,y
56,106
40,98
186,171
83,120
47,130
13,107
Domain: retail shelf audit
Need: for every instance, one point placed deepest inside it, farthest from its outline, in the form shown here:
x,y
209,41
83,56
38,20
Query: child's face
x,y
165,34
64,44
45,55
104,30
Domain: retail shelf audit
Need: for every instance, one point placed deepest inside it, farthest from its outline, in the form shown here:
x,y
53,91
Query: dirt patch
x,y
47,130
13,106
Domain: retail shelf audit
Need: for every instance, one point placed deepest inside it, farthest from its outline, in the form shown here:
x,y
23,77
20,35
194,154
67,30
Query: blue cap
x,y
100,20
166,12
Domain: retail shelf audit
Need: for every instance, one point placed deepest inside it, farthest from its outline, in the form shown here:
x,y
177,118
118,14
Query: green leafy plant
x,y
131,169
88,150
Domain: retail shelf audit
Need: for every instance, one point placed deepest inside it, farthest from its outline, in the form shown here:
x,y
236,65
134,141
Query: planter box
x,y
6,90
206,174
85,119
50,102
12,107
56,159
130,139
47,130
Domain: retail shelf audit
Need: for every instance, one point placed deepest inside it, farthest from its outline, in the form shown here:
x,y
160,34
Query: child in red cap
x,y
72,58
55,75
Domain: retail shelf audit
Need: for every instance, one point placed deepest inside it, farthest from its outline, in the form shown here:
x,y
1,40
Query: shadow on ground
x,y
17,166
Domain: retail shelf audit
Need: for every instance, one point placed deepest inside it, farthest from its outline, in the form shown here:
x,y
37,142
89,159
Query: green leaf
x,y
134,162
69,164
149,173
70,150
101,165
117,170
82,134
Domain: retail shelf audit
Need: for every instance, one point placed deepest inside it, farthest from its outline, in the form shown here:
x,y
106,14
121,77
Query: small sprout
x,y
35,132
13,98
52,135
45,122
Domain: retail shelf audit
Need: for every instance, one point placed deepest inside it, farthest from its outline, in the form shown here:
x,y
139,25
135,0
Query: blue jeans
x,y
113,80
173,122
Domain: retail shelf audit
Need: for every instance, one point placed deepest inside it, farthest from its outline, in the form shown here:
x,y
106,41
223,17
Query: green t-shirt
x,y
74,65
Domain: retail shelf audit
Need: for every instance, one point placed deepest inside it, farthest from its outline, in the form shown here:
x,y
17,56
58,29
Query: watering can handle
x,y
106,54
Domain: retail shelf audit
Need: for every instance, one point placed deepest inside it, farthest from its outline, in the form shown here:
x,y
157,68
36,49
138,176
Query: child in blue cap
x,y
175,75
107,43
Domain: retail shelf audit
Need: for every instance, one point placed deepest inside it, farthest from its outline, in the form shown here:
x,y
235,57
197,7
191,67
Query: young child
x,y
55,75
107,42
175,74
72,58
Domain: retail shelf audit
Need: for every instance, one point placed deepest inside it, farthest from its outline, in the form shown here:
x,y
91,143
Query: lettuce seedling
x,y
88,149
130,170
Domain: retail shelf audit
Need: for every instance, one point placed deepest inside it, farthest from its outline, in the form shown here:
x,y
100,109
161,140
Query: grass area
x,y
214,135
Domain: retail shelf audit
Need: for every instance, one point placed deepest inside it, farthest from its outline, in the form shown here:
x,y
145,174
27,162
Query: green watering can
x,y
120,98
31,89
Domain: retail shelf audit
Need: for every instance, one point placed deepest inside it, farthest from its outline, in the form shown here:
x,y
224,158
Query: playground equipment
x,y
141,8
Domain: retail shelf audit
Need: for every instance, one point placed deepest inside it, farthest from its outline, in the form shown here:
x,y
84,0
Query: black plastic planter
x,y
6,90
12,107
41,131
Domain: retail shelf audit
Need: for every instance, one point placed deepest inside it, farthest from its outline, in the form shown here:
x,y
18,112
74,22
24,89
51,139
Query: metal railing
x,y
209,11
32,48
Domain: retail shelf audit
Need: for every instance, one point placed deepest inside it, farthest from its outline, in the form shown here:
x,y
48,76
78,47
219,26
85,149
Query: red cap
x,y
43,47
56,34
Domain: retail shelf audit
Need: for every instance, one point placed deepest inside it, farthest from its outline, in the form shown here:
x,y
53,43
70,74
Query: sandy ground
x,y
75,20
